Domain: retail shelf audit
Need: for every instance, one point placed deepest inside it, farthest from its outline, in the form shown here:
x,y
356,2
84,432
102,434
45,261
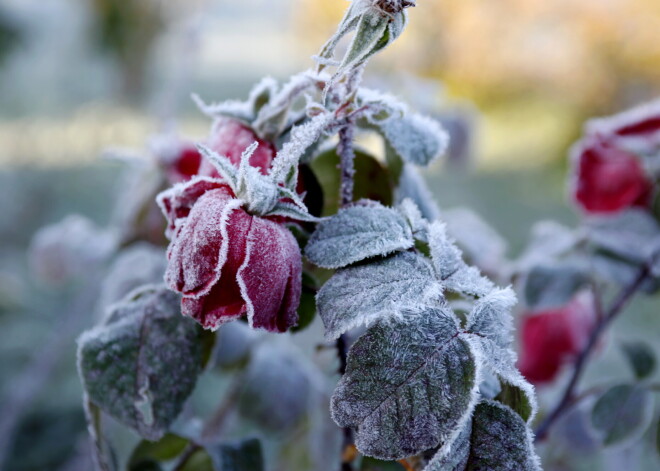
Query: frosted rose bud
x,y
608,178
229,138
226,262
553,337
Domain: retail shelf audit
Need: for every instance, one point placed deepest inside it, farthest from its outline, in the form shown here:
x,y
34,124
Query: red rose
x,y
554,337
229,138
226,262
609,179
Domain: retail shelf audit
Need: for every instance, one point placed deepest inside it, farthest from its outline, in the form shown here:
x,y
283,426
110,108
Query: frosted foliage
x,y
413,186
140,264
549,241
502,361
70,249
142,364
633,235
367,40
484,247
356,233
408,385
491,316
301,138
365,293
500,440
278,388
413,215
456,275
454,457
417,139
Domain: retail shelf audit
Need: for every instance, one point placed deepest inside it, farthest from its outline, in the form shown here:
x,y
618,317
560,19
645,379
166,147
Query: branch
x,y
567,399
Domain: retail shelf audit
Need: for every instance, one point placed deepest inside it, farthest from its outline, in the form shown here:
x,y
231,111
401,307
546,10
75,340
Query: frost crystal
x,y
356,233
365,293
142,364
417,139
408,386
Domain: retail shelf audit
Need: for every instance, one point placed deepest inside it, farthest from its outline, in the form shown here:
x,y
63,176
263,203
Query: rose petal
x,y
270,277
224,301
610,179
229,138
199,248
176,202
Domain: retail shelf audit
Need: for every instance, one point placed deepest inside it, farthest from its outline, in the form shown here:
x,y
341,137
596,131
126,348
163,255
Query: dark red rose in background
x,y
229,138
608,178
226,262
553,337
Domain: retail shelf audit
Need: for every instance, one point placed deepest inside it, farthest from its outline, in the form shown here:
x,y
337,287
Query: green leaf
x,y
641,358
517,399
356,233
165,449
365,293
244,455
554,284
372,180
372,29
409,384
496,439
306,308
415,138
623,413
142,364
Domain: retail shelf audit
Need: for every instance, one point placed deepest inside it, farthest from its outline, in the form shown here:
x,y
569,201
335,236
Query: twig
x,y
185,457
569,392
346,161
214,425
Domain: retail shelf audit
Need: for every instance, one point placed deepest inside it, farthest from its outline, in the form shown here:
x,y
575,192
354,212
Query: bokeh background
x,y
512,79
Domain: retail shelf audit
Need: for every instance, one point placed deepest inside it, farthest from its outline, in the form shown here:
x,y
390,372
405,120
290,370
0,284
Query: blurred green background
x,y
515,79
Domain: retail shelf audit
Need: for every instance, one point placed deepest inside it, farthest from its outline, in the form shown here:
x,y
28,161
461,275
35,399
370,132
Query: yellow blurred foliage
x,y
573,58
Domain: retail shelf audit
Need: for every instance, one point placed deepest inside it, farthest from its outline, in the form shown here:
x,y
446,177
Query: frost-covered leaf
x,y
453,456
244,455
455,274
516,391
633,235
491,316
408,386
356,233
623,413
413,186
222,164
137,265
142,364
641,358
499,441
480,242
371,30
277,389
554,284
550,240
372,180
413,215
417,139
364,293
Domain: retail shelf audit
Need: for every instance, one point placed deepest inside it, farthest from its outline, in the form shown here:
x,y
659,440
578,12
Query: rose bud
x,y
229,138
553,337
227,262
608,178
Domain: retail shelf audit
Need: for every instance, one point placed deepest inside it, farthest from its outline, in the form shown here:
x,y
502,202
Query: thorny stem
x,y
568,397
346,161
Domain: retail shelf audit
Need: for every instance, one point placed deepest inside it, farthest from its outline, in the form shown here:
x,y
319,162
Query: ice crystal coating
x,y
408,386
356,233
498,440
365,293
227,262
417,139
412,186
142,364
455,274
